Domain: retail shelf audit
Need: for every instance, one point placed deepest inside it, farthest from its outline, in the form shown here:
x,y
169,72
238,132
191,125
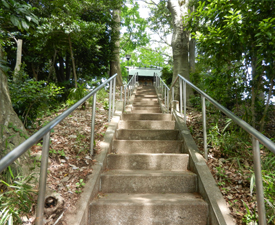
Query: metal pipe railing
x,y
44,133
163,90
129,89
256,138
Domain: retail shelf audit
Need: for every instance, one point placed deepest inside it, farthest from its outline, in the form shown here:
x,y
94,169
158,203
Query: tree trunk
x,y
72,56
115,63
192,55
262,122
12,131
180,43
19,44
35,72
192,49
68,68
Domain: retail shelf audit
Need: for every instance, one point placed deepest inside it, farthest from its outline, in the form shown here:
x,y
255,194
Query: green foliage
x,y
16,198
167,75
79,185
235,42
30,97
268,176
250,216
20,15
77,94
135,34
102,94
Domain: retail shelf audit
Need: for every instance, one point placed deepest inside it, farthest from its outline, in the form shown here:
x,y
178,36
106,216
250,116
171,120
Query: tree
x,y
14,16
180,42
170,16
237,39
115,62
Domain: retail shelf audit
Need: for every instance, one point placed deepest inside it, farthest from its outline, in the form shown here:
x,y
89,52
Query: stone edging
x,y
219,213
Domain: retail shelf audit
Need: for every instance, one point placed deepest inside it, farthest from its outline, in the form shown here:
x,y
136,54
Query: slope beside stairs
x,y
147,180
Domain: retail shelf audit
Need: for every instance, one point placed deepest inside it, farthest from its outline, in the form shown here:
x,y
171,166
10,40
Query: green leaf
x,y
15,21
6,4
25,25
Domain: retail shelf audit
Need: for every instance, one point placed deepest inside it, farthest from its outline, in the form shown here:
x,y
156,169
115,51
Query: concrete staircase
x,y
147,179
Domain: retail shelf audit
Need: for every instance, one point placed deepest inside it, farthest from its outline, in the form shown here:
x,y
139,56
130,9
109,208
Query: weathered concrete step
x,y
147,104
148,161
145,124
145,96
144,107
143,134
156,116
148,181
148,209
150,146
145,100
146,111
146,93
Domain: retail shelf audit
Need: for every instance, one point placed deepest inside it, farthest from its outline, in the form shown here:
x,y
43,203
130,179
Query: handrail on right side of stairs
x,y
164,90
256,136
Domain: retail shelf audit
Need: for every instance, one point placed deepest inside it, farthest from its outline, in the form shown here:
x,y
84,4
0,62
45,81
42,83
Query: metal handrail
x,y
44,133
256,138
164,90
256,134
129,88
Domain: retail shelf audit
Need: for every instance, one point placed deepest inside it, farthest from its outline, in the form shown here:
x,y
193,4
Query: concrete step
x,y
148,209
144,107
145,104
147,93
148,161
146,111
150,146
156,116
145,100
145,124
148,181
143,134
145,96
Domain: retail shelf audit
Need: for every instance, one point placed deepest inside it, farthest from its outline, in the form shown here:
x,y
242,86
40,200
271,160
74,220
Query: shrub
x,y
30,97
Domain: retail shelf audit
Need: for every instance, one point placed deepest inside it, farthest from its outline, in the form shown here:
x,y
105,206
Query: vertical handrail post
x,y
165,97
173,94
180,81
259,181
93,125
204,127
43,179
114,97
110,100
184,100
168,101
128,91
124,106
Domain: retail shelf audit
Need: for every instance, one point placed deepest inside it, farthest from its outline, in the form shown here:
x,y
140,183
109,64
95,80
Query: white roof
x,y
145,72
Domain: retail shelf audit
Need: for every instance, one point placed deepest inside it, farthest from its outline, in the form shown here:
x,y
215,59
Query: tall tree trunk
x,y
52,66
180,43
19,44
12,130
68,68
192,55
192,49
72,56
115,62
35,72
262,122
